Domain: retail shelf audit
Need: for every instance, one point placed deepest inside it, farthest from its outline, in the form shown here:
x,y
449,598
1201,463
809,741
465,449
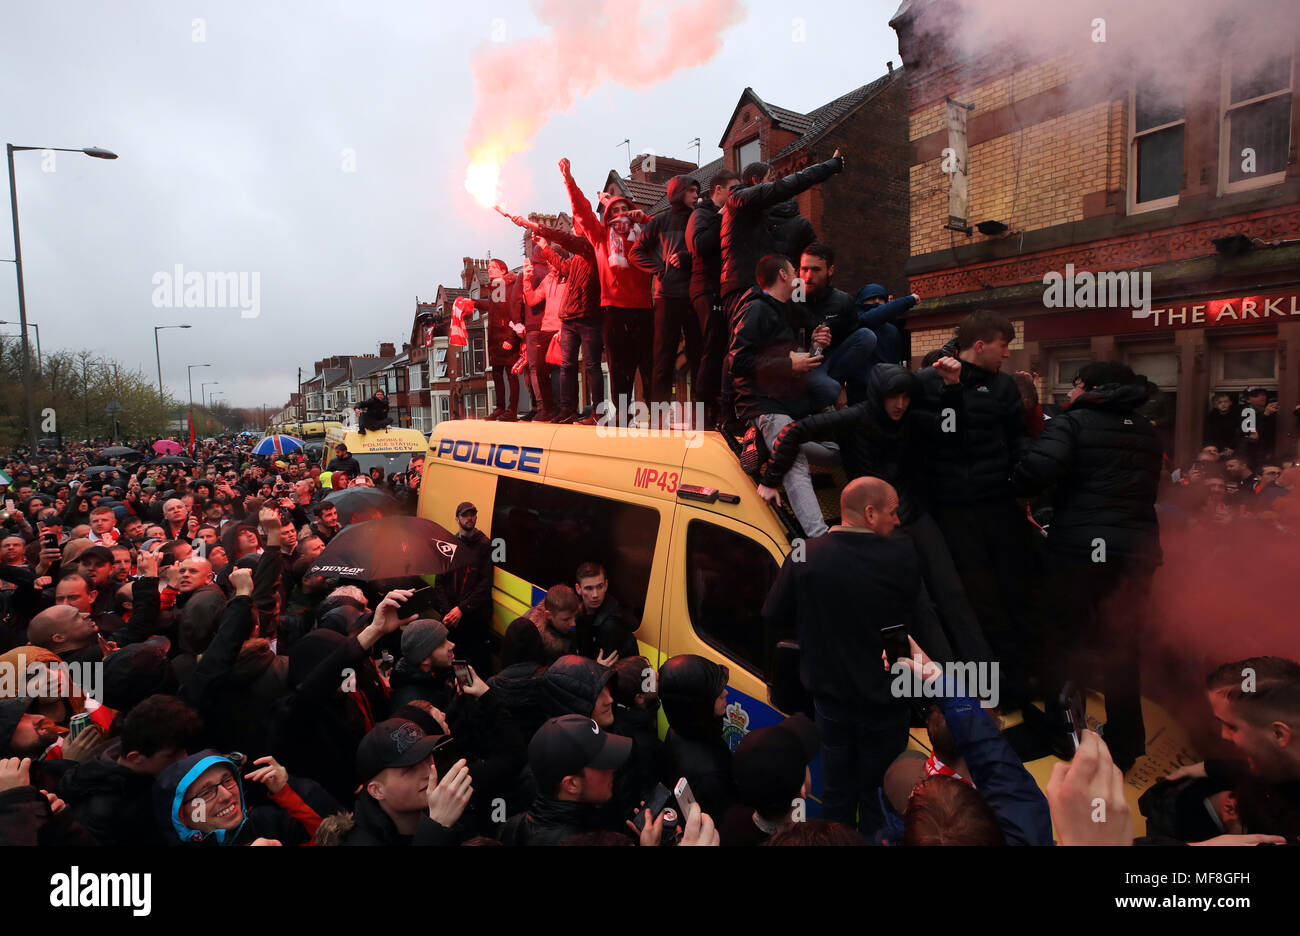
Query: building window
x,y
1238,368
480,406
444,407
750,152
1157,128
440,363
728,577
576,528
478,355
1256,131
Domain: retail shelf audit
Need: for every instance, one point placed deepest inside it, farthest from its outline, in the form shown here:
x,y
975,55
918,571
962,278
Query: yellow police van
x,y
390,449
689,547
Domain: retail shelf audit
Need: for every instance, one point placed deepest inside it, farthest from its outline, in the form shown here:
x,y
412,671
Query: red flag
x,y
428,336
459,309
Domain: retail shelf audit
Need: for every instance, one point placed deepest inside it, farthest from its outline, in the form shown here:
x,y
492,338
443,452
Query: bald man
x,y
837,595
175,515
68,632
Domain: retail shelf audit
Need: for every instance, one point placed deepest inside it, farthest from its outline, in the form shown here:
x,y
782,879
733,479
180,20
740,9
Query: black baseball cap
x,y
564,746
465,506
394,742
98,553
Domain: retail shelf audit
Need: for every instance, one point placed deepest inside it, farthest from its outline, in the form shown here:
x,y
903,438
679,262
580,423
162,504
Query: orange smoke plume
x,y
633,43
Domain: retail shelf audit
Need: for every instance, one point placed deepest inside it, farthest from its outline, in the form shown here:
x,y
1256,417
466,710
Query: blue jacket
x,y
997,772
880,319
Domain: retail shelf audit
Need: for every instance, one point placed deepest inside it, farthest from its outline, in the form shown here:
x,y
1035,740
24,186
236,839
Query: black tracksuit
x,y
470,589
703,239
761,343
664,238
973,433
1103,547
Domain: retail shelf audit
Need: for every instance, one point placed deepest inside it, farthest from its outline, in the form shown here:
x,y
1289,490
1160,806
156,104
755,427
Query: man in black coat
x,y
972,418
463,596
111,795
703,239
661,250
574,760
851,583
1103,545
373,413
603,629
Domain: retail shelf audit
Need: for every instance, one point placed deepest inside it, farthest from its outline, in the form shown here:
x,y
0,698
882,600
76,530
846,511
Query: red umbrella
x,y
167,447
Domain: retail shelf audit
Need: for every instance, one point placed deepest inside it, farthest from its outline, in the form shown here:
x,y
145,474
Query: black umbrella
x,y
172,460
118,451
356,499
390,548
108,471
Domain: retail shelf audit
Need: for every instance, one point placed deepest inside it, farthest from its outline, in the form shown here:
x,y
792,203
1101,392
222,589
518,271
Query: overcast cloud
x,y
233,156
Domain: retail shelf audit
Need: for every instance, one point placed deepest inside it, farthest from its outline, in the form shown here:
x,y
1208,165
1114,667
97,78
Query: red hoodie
x,y
621,284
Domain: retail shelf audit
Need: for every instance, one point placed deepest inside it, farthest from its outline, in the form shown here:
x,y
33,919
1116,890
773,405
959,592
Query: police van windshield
x,y
389,461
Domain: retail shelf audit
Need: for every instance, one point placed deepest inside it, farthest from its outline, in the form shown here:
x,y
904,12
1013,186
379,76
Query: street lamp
x,y
28,396
207,383
158,357
189,373
40,367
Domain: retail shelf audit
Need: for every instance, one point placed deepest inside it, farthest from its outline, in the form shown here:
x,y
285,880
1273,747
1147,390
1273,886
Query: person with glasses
x,y
201,800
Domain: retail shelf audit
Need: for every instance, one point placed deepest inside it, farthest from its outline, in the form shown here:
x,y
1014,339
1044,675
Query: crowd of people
x,y
182,666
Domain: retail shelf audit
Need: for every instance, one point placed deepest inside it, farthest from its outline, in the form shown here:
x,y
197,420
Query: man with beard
x,y
463,597
848,348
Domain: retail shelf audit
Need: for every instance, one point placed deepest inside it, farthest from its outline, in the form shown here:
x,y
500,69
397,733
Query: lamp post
x,y
40,367
162,400
28,395
189,373
203,401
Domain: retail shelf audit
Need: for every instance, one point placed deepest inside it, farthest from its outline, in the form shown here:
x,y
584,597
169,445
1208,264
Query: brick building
x,y
1086,160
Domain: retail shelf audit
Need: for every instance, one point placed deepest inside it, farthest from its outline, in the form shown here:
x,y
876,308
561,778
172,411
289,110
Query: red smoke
x,y
634,43
1224,593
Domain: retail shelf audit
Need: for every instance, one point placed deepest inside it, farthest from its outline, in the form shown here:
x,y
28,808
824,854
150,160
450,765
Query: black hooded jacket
x,y
750,230
572,684
1105,462
319,726
551,822
871,444
372,826
111,802
703,238
689,686
664,237
972,463
764,376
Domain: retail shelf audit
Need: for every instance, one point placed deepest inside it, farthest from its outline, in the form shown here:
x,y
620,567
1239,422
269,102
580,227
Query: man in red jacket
x,y
504,306
624,290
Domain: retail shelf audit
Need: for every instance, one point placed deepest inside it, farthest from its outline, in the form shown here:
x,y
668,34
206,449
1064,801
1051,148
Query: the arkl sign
x,y
1204,313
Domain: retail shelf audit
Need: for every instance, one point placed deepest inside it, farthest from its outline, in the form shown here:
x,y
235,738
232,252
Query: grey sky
x,y
232,155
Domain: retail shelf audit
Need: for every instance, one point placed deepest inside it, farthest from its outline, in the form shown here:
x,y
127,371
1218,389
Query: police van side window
x,y
728,577
549,531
